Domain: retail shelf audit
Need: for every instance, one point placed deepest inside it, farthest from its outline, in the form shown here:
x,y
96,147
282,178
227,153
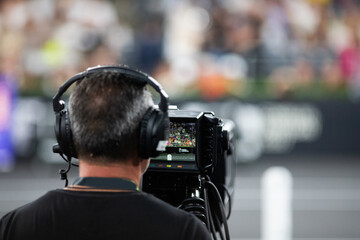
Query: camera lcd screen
x,y
181,148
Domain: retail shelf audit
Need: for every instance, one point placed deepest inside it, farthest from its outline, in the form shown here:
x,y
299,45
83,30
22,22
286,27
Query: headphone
x,y
154,126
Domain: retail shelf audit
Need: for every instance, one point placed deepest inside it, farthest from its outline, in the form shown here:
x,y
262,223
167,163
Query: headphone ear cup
x,y
64,134
153,131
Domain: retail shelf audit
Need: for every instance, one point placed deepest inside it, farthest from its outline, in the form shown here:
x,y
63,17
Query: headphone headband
x,y
138,76
154,125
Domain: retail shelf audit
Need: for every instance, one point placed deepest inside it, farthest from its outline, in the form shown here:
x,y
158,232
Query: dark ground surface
x,y
325,205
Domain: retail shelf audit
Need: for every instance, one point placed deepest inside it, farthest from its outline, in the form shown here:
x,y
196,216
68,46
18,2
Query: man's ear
x,y
144,164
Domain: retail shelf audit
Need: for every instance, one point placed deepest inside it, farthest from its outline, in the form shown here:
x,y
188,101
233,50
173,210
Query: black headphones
x,y
154,128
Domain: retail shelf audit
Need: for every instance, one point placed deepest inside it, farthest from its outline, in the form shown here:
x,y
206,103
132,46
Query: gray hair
x,y
106,109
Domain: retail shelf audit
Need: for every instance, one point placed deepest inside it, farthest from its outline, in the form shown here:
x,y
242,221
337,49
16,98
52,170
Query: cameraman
x,y
105,202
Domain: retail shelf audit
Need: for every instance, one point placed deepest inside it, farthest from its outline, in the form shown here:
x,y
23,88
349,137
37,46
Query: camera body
x,y
200,144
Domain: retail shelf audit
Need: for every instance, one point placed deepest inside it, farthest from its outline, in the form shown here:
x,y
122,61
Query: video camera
x,y
201,151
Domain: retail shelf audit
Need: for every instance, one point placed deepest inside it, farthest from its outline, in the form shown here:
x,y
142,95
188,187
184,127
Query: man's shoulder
x,y
191,227
62,205
28,206
22,215
155,204
139,200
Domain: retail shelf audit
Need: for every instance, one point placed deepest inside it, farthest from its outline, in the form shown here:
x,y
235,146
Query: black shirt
x,y
64,214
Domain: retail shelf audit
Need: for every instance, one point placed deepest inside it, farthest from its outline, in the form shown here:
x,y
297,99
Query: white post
x,y
276,204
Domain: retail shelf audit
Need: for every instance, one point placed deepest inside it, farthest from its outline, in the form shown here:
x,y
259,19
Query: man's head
x,y
105,114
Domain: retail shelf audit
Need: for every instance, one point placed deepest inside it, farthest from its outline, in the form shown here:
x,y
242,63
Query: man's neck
x,y
111,170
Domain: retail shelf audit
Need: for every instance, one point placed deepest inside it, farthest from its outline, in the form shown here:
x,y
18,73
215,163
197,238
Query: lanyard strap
x,y
106,183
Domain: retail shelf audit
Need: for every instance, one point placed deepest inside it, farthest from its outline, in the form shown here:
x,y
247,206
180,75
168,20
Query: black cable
x,y
210,208
67,160
230,201
209,185
208,214
211,226
214,226
218,224
211,215
63,172
221,207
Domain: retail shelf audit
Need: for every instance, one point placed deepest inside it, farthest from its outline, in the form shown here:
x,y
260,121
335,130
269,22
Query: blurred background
x,y
285,71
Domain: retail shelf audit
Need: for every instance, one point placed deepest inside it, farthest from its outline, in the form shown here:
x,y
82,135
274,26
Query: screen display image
x,y
182,134
182,143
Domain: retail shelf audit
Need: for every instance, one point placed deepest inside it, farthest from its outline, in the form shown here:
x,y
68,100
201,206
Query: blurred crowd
x,y
195,48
